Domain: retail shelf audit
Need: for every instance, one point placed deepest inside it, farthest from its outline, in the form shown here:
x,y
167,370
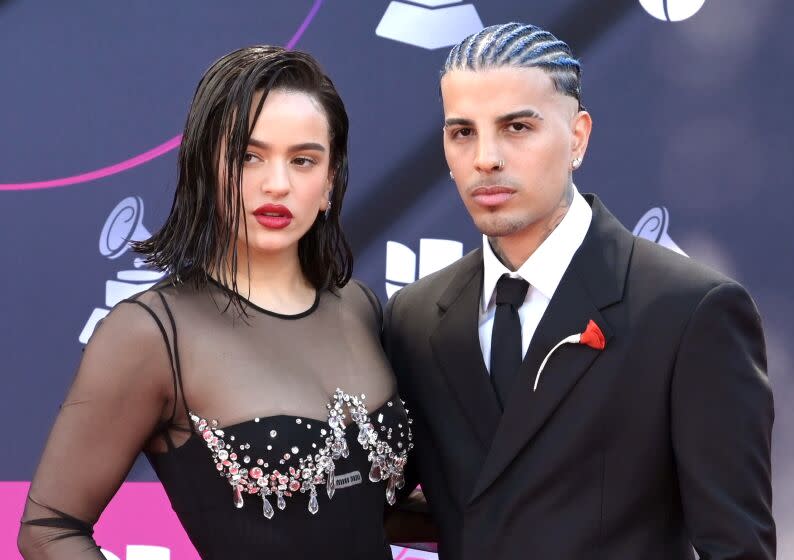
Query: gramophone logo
x,y
653,227
123,226
434,254
672,10
430,24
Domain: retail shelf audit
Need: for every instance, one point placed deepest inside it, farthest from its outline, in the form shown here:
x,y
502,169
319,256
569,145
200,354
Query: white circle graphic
x,y
672,10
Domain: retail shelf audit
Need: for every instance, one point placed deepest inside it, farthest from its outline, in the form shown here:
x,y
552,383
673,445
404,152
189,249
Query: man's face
x,y
510,139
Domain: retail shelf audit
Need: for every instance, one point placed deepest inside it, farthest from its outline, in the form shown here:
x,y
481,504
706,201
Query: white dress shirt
x,y
543,270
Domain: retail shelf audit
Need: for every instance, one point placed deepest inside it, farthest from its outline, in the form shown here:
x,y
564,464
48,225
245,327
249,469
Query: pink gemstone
x,y
255,473
233,456
294,485
219,466
292,471
283,479
227,463
233,470
207,435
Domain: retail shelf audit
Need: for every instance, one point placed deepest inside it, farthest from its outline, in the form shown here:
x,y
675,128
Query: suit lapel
x,y
456,347
593,281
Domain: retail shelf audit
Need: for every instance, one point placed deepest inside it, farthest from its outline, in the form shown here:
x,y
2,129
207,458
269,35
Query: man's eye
x,y
462,133
518,127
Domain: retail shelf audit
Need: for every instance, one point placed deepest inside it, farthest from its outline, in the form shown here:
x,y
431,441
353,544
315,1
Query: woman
x,y
252,377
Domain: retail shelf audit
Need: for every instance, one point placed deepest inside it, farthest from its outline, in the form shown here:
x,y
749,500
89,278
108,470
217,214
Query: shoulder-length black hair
x,y
199,235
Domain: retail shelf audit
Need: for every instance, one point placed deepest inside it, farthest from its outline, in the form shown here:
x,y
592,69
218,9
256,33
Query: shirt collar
x,y
545,267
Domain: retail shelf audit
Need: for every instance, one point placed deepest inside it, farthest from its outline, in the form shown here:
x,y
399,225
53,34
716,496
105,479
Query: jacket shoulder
x,y
432,286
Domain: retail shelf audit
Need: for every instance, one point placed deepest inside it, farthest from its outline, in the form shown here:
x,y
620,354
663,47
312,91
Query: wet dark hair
x,y
199,236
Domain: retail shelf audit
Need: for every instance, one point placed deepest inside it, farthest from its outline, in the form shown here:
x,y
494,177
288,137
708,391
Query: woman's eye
x,y
250,157
303,161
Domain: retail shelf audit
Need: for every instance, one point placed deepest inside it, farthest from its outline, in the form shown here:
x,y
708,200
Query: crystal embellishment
x,y
313,470
267,507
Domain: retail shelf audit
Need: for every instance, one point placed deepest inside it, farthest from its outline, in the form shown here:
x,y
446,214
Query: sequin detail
x,y
313,470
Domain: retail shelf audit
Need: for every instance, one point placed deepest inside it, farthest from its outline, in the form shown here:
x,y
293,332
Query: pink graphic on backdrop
x,y
138,524
138,518
149,155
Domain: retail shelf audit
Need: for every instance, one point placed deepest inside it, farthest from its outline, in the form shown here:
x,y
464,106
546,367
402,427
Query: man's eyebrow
x,y
458,122
523,114
296,148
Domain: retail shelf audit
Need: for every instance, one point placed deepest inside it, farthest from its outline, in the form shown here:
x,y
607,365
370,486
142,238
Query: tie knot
x,y
511,290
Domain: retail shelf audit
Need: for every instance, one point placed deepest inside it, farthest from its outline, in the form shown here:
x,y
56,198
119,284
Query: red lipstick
x,y
493,195
273,216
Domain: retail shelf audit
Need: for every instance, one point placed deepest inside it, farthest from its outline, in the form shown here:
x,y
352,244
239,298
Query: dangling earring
x,y
328,210
576,163
451,176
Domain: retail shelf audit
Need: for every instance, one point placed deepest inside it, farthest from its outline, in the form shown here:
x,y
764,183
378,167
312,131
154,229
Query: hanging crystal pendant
x,y
313,505
375,471
330,485
363,434
267,508
238,497
281,503
345,450
390,491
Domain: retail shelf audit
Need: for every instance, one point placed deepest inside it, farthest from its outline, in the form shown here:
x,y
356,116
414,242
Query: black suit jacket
x,y
658,443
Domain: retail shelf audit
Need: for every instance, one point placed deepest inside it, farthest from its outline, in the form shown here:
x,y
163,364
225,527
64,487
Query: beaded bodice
x,y
275,469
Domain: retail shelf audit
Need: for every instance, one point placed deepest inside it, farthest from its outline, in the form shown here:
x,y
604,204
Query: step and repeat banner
x,y
691,148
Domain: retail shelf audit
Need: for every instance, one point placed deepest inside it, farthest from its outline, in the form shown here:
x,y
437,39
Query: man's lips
x,y
273,216
492,195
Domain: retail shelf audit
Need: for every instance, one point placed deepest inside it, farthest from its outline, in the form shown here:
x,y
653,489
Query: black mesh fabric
x,y
171,355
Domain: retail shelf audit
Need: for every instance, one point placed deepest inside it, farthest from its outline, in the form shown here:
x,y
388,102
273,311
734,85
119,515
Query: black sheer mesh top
x,y
274,436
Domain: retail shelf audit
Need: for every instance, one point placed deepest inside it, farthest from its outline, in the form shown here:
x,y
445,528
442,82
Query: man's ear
x,y
582,126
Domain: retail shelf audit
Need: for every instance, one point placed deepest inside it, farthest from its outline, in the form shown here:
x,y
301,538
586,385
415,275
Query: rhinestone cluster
x,y
311,470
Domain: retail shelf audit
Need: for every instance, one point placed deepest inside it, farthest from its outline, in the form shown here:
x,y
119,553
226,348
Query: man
x,y
644,438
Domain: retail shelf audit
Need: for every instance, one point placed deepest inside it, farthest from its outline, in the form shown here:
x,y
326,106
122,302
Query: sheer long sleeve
x,y
122,393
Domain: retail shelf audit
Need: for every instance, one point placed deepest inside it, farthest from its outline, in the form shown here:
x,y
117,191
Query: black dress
x,y
274,436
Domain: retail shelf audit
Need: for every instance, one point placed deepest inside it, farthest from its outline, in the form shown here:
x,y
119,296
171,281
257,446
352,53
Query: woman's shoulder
x,y
359,296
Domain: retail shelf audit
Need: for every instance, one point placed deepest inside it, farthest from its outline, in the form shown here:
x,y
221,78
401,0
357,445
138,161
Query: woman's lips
x,y
273,216
492,196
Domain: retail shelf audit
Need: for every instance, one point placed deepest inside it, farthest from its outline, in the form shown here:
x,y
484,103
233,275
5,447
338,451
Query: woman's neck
x,y
273,281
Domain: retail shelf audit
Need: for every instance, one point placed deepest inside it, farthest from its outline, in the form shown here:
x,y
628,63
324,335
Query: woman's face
x,y
286,179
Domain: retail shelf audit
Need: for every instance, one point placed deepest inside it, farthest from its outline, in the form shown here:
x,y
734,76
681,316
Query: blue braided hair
x,y
523,46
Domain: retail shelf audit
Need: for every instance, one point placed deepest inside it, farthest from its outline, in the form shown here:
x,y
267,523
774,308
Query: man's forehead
x,y
490,77
499,91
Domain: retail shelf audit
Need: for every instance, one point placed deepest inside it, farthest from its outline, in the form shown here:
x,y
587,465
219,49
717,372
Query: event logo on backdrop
x,y
123,226
430,24
653,227
141,552
672,10
434,254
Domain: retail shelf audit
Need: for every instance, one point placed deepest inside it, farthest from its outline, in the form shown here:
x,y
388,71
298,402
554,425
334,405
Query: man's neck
x,y
514,250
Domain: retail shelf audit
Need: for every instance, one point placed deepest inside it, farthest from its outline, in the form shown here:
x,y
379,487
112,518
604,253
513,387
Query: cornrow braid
x,y
521,46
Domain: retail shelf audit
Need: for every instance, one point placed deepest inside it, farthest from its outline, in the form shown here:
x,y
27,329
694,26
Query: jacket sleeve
x,y
722,414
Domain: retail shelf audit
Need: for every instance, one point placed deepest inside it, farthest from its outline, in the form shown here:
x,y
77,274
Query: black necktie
x,y
506,338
